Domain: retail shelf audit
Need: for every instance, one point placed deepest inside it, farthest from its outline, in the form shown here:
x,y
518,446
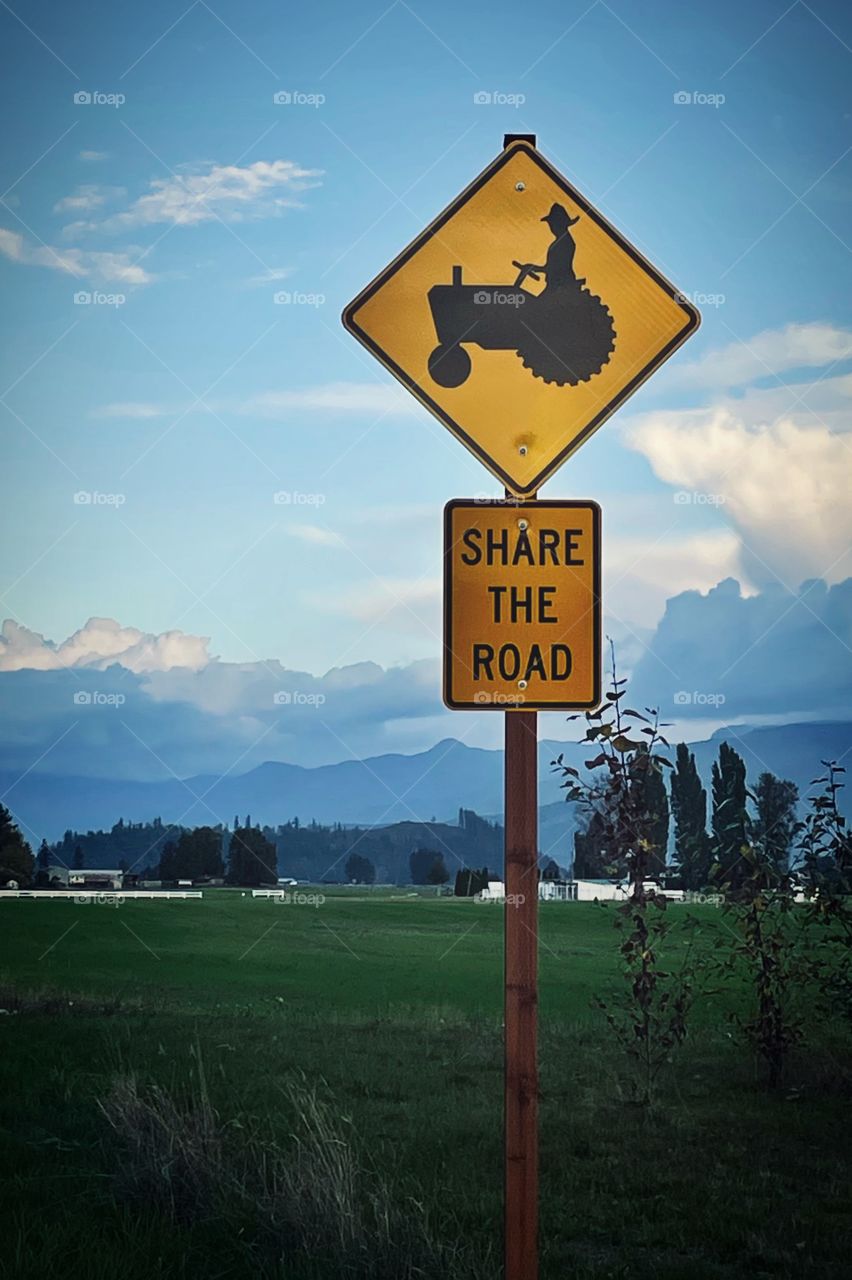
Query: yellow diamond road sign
x,y
521,318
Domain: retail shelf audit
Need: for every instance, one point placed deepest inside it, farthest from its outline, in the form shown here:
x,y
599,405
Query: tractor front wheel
x,y
449,366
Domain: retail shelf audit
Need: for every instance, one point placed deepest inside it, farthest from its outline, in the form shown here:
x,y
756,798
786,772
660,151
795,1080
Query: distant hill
x,y
386,789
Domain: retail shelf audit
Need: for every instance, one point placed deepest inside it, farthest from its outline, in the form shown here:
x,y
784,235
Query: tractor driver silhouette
x,y
558,270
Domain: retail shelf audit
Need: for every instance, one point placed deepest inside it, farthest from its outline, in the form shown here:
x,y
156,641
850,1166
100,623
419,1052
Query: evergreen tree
x,y
655,803
252,859
198,855
420,863
730,818
168,864
776,824
437,873
360,869
16,858
42,863
589,855
689,806
77,864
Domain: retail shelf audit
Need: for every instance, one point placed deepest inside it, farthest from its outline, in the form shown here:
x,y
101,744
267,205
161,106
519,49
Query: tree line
x,y
769,813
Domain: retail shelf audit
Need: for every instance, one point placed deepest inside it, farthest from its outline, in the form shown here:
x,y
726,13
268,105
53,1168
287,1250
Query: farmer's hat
x,y
558,214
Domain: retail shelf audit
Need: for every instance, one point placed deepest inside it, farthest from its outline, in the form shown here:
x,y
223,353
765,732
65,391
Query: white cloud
x,y
775,351
270,276
347,397
136,409
316,534
642,573
230,192
93,157
785,487
98,644
108,268
86,198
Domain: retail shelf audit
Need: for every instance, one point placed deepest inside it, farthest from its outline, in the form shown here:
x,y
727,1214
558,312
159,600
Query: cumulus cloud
x,y
112,701
93,157
796,346
233,193
777,652
784,488
108,268
99,644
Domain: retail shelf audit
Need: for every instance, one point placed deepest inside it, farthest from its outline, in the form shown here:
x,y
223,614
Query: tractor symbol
x,y
564,335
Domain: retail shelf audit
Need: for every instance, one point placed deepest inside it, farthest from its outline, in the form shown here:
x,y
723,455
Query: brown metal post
x,y
521,998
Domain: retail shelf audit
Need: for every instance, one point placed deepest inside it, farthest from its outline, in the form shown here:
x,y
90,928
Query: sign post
x,y
521,997
522,319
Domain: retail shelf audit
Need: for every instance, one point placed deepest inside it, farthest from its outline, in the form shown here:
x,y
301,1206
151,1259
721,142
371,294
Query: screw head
x,y
520,186
522,684
523,450
523,524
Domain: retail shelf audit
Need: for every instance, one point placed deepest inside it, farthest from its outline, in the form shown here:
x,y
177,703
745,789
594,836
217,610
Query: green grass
x,y
394,1004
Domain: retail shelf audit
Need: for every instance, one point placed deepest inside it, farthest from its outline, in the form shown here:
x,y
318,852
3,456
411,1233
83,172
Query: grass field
x,y
390,1006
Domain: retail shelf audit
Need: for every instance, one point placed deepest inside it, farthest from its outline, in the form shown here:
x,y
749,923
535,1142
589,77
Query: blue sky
x,y
744,201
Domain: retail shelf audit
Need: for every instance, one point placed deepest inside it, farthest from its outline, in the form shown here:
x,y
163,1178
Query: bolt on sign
x,y
522,604
521,318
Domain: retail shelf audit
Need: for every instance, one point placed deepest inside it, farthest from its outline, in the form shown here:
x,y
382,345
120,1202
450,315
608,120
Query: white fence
x,y
98,895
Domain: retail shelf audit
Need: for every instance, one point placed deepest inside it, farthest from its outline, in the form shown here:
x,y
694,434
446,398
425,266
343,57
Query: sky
x,y
196,452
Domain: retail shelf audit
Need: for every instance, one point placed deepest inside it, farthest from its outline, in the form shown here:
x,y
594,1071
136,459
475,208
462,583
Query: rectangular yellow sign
x,y
522,604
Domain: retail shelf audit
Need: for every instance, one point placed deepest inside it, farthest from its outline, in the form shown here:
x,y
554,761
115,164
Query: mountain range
x,y
382,789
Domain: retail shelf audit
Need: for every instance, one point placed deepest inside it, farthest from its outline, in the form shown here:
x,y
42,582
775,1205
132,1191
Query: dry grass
x,y
314,1202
